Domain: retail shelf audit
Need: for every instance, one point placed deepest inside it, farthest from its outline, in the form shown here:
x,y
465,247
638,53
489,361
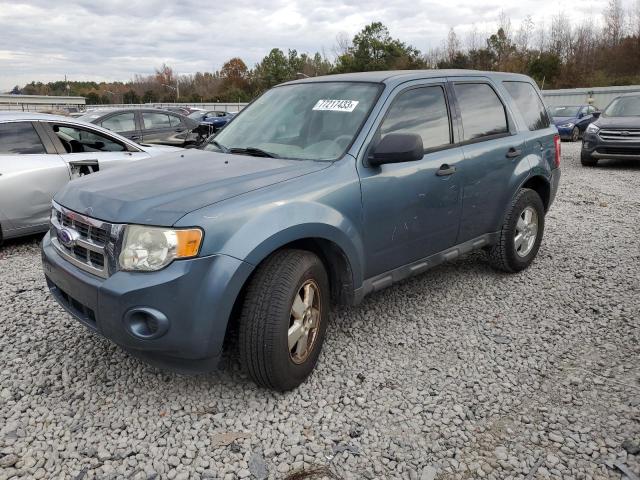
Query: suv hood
x,y
618,122
161,191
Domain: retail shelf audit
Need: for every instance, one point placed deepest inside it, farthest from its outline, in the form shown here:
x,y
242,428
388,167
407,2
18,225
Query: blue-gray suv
x,y
319,192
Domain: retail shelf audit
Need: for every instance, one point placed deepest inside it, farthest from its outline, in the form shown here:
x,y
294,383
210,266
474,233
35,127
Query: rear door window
x,y
123,122
20,138
529,104
154,120
423,111
483,114
174,121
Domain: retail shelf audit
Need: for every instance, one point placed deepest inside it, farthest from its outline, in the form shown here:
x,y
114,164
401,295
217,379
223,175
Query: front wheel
x,y
587,160
521,233
284,319
575,134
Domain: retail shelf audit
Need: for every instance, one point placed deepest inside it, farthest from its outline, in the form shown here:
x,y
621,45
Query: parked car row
x,y
149,126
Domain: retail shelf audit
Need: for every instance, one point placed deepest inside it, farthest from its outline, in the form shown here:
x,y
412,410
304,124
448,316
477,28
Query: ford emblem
x,y
66,237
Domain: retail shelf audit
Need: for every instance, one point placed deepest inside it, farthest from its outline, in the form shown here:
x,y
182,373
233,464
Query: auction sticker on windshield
x,y
336,105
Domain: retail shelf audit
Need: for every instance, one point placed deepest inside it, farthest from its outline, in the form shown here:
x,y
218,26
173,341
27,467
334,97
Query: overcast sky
x,y
43,40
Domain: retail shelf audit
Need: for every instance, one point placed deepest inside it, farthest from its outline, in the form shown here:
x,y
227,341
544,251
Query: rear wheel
x,y
284,319
521,233
587,160
575,134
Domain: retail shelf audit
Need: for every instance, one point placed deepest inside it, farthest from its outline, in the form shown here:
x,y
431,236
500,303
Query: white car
x,y
40,153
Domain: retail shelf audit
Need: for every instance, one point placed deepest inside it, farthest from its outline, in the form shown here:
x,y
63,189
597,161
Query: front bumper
x,y
565,133
598,147
195,296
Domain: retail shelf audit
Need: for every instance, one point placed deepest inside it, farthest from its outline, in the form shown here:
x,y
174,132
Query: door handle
x,y
179,130
135,137
445,170
514,152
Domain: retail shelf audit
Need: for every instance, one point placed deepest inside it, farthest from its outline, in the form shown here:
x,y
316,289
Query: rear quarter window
x,y
20,138
529,104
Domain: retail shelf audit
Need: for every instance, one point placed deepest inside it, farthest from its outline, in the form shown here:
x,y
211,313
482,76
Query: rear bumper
x,y
189,303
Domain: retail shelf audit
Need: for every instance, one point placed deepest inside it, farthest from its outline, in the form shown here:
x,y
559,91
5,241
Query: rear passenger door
x,y
31,172
494,156
163,128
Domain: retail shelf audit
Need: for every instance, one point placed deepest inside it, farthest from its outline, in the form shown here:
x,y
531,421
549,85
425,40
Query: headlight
x,y
567,125
592,128
152,248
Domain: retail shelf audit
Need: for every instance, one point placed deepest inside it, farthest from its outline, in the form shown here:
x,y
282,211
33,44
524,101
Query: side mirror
x,y
581,114
397,148
596,114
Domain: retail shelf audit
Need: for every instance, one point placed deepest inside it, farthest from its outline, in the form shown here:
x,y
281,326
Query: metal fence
x,y
227,107
37,103
596,96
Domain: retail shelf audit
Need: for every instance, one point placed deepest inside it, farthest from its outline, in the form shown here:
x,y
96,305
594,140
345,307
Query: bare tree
x,y
525,34
453,45
613,22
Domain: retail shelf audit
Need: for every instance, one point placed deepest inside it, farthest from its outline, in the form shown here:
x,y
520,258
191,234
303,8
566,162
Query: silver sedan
x,y
40,153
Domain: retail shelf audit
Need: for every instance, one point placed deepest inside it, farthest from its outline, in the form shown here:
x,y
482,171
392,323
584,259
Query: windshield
x,y
566,111
88,117
624,107
316,121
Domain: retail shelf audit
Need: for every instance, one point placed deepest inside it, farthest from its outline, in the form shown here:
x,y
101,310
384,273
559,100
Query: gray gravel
x,y
460,373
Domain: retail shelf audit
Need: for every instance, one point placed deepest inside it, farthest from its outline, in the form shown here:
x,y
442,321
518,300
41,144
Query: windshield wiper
x,y
220,146
253,151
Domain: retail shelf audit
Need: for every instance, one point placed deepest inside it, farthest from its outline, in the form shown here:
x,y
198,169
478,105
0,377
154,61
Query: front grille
x,y
85,240
621,135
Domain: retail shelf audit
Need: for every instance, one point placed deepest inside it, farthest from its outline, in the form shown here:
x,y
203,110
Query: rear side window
x,y
483,114
174,121
528,102
20,138
423,111
123,122
155,120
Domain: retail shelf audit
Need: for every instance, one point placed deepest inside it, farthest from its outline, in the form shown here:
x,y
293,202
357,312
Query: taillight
x,y
556,144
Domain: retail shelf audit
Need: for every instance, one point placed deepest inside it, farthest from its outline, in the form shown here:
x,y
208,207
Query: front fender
x,y
324,205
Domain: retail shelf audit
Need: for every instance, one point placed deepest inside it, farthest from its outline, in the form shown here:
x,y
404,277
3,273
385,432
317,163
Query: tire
x,y
575,134
268,316
506,255
587,160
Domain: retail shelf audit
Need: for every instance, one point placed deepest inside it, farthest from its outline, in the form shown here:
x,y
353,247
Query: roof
x,y
10,115
399,76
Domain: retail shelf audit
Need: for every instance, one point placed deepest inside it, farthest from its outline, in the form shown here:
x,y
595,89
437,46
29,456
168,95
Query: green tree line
x,y
557,55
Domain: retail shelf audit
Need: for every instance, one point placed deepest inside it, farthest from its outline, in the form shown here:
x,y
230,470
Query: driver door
x,y
412,209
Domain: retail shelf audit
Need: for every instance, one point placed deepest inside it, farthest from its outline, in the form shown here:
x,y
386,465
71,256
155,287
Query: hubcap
x,y
304,322
526,232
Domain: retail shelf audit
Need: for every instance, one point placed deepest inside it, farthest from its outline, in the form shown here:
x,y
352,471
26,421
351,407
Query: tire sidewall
x,y
575,134
288,373
528,198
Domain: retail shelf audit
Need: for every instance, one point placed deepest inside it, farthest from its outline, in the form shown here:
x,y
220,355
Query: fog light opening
x,y
146,323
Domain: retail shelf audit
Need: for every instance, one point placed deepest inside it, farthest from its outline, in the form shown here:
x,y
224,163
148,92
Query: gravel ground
x,y
460,373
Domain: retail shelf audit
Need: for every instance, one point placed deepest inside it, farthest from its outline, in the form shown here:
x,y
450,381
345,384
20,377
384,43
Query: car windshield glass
x,y
89,117
316,121
197,115
624,107
565,111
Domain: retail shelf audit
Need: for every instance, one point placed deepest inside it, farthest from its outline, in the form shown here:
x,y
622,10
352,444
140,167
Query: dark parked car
x,y
215,118
616,134
321,191
572,121
148,126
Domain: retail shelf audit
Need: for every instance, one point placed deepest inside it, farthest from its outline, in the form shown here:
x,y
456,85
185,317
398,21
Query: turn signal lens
x,y
188,242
